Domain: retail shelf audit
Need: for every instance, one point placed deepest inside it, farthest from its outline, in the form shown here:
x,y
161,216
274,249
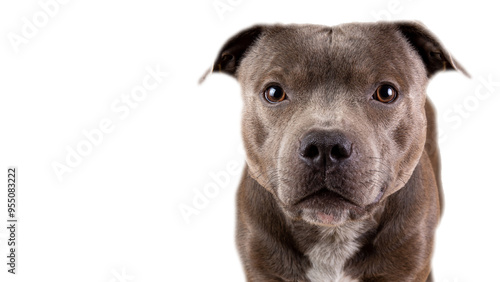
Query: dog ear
x,y
229,57
433,54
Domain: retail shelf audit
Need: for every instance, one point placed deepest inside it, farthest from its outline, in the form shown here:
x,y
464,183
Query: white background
x,y
116,216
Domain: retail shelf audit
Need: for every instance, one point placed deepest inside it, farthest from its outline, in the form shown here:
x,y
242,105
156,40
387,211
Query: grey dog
x,y
342,177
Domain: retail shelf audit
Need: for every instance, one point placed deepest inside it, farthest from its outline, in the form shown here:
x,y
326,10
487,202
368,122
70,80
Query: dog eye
x,y
274,94
385,94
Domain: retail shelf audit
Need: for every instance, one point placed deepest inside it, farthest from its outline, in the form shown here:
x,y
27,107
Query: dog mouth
x,y
329,207
325,198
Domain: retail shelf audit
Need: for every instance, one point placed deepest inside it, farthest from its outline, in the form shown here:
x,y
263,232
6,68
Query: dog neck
x,y
335,246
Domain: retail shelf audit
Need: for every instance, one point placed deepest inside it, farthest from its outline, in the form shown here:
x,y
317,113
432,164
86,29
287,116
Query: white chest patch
x,y
329,256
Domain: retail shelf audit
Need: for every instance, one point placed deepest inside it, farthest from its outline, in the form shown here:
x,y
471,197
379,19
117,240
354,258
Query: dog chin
x,y
330,219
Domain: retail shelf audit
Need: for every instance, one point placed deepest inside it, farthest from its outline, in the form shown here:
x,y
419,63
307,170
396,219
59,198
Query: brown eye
x,y
385,94
274,94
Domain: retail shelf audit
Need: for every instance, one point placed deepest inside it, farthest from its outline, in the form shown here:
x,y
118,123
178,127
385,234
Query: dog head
x,y
333,119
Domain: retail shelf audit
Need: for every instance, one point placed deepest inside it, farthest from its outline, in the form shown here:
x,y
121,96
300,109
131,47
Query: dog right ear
x,y
229,57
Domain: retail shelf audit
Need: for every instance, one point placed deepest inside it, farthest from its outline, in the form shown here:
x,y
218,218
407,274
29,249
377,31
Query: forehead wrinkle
x,y
306,57
369,57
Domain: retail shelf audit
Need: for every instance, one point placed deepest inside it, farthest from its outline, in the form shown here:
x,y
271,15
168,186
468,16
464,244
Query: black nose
x,y
324,149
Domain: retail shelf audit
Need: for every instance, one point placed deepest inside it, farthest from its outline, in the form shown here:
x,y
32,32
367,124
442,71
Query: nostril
x,y
310,152
322,150
340,151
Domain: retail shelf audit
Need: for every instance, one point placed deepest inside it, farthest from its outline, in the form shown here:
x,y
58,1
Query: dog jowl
x,y
342,179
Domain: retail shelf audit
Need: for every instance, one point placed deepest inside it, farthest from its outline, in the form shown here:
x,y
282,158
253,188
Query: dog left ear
x,y
433,54
230,55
